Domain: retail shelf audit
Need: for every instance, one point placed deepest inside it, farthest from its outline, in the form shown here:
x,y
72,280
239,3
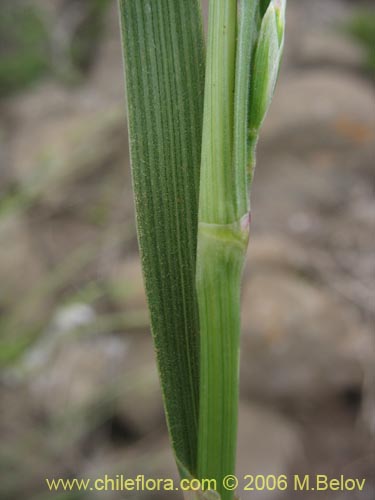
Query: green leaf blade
x,y
164,66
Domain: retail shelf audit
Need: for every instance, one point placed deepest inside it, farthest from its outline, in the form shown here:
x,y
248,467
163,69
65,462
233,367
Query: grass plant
x,y
194,123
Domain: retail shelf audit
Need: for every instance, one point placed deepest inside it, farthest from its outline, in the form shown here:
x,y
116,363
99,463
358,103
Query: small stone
x,y
299,344
267,444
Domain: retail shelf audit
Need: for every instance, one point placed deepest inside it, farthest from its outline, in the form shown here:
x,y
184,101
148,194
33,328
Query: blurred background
x,y
79,394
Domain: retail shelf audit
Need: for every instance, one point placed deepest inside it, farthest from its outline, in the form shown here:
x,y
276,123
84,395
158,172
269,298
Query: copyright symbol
x,y
230,482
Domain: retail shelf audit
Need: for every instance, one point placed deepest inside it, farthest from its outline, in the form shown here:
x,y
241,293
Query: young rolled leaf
x,y
265,69
164,67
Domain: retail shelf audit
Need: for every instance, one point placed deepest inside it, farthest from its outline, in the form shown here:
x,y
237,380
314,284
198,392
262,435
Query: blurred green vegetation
x,y
100,293
88,34
77,169
360,27
23,46
28,49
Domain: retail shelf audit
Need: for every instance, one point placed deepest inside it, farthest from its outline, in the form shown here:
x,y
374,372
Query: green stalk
x,y
164,66
223,233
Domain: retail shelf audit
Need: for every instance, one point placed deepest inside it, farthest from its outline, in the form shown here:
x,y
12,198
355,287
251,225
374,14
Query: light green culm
x,y
243,57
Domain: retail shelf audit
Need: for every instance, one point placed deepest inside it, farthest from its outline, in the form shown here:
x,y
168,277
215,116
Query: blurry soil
x,y
78,383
